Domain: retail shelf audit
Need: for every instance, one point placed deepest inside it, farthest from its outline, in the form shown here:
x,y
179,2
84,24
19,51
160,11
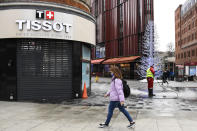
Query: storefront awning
x,y
120,60
97,61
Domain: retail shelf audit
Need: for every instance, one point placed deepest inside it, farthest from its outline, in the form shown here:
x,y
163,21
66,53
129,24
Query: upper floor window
x,y
188,53
193,52
196,51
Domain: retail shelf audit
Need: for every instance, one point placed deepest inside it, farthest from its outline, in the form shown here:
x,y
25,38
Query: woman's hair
x,y
116,71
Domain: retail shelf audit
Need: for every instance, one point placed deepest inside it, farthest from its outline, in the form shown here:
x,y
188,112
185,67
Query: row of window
x,y
187,28
187,39
188,16
187,54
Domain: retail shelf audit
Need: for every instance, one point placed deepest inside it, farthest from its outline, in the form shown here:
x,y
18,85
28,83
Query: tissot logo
x,y
39,14
42,14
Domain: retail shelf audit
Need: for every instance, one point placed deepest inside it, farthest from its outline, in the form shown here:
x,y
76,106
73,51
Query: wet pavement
x,y
21,116
168,97
172,109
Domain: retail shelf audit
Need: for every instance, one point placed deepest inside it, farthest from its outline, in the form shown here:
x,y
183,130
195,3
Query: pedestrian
x,y
164,77
150,78
168,74
116,97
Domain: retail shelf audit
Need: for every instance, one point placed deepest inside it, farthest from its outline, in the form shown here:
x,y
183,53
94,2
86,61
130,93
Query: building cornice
x,y
47,5
190,44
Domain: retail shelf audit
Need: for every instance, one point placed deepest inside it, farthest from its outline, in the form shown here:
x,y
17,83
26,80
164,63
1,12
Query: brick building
x,y
120,26
186,38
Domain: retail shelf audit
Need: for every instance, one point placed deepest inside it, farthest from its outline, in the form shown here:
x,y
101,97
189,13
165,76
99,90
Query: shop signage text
x,y
44,25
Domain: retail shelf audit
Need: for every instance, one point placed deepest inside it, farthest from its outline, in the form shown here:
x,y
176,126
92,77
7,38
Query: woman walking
x,y
116,97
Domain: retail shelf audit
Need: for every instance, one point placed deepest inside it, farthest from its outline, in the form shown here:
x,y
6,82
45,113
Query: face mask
x,y
112,74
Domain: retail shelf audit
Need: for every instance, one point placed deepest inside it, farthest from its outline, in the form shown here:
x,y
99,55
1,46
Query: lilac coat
x,y
116,91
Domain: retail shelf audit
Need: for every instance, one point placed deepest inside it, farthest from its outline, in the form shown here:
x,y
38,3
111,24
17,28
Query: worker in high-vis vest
x,y
150,78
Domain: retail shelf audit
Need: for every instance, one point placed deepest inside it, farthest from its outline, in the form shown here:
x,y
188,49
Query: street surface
x,y
172,109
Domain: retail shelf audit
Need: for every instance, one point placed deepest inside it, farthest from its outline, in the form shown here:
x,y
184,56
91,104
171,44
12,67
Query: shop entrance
x,y
44,70
7,70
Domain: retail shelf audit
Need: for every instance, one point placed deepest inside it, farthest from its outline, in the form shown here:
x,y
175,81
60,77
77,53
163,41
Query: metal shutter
x,y
44,70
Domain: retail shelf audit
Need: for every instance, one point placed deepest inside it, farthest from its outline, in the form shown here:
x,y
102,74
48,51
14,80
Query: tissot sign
x,y
45,24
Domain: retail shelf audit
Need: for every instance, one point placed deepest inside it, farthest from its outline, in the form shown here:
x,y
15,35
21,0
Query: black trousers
x,y
150,92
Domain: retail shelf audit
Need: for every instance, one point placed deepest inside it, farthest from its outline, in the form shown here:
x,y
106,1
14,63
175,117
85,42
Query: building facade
x,y
45,49
120,26
186,38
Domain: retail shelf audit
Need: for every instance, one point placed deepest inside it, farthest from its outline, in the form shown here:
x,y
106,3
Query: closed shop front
x,y
44,69
41,46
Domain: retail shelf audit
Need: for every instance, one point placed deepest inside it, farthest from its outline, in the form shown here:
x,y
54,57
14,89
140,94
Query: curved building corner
x,y
45,49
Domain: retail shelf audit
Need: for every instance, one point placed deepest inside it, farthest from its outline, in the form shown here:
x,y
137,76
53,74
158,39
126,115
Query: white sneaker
x,y
102,125
131,124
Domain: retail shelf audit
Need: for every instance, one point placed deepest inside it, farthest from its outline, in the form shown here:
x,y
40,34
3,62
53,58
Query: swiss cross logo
x,y
49,15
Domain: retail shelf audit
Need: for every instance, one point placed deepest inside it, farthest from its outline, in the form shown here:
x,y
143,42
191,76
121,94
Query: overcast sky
x,y
164,21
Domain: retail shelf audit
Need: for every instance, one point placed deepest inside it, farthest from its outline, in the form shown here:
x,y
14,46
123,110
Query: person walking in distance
x,y
116,97
150,78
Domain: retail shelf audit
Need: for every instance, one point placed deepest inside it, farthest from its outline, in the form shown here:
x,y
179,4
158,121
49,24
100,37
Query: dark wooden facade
x,y
121,25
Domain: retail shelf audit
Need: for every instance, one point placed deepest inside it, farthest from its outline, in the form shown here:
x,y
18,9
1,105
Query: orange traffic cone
x,y
84,96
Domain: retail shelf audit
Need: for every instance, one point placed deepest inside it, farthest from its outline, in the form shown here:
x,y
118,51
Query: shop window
x,y
192,70
100,51
86,53
125,68
86,66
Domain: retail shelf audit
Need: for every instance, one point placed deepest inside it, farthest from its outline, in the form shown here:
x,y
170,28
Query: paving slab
x,y
58,117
